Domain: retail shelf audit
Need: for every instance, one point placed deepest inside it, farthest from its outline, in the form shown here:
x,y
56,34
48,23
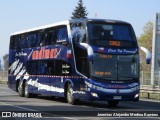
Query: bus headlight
x,y
137,95
90,85
94,94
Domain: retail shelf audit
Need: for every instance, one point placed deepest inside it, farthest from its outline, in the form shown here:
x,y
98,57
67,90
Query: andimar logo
x,y
45,53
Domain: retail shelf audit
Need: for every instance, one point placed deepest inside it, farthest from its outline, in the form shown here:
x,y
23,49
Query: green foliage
x,y
80,11
5,60
145,40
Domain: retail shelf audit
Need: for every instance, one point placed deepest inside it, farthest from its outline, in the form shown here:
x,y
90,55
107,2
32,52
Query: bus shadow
x,y
97,104
57,99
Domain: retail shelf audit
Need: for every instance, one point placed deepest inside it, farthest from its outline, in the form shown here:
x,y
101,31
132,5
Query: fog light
x,y
82,88
94,94
137,95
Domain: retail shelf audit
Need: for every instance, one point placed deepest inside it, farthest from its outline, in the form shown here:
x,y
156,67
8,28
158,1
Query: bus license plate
x,y
117,97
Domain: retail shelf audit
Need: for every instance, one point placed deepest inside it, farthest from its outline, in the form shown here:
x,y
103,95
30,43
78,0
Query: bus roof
x,y
98,20
41,27
67,22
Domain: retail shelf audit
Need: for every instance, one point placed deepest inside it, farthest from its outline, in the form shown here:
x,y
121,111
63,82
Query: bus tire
x,y
69,95
113,103
26,91
21,89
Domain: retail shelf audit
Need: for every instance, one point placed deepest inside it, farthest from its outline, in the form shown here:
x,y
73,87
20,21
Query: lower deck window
x,y
50,67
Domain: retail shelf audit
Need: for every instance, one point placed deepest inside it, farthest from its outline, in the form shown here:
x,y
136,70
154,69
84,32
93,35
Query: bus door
x,y
78,32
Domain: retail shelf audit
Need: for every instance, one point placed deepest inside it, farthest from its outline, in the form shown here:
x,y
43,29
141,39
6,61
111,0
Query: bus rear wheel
x,y
20,89
69,95
113,103
26,91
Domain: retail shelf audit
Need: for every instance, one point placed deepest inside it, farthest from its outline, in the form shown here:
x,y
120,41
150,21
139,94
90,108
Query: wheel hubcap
x,y
26,90
70,92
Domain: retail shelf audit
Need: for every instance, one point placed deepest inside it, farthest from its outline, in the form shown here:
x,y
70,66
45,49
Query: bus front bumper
x,y
93,95
131,94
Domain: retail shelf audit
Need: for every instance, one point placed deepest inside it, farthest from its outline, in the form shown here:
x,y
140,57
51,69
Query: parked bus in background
x,y
81,59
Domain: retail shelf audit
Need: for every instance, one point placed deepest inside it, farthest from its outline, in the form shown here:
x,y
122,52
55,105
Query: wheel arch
x,y
17,84
20,81
68,81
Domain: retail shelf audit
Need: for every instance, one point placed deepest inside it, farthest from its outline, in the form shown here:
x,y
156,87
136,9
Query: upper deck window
x,y
14,42
32,40
23,41
78,32
62,34
104,34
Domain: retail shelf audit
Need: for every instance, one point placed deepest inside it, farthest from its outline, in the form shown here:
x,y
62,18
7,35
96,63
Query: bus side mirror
x,y
148,54
89,50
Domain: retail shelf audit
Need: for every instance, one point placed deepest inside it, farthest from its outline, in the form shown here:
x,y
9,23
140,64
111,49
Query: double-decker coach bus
x,y
79,59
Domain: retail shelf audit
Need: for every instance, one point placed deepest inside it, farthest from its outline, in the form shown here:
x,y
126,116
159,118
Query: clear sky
x,y
18,15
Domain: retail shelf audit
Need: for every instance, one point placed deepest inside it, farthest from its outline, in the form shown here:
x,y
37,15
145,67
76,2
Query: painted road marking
x,y
2,103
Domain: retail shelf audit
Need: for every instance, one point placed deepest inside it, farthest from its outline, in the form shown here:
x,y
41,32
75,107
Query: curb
x,y
3,82
149,100
150,96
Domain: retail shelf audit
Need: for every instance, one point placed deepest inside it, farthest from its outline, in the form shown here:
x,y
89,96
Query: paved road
x,y
50,106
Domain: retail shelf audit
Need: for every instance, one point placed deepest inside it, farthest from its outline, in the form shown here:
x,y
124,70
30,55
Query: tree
x,y
145,40
5,59
80,11
0,65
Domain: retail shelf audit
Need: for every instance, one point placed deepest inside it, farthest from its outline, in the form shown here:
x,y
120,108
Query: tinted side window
x,y
62,34
49,67
12,42
16,42
32,40
78,32
41,68
47,37
62,68
32,67
38,38
23,41
50,37
45,67
41,37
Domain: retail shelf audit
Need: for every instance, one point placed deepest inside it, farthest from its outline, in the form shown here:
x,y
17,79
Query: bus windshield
x,y
113,35
115,67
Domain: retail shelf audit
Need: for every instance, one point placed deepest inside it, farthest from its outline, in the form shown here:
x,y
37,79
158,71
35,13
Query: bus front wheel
x,y
70,98
113,103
